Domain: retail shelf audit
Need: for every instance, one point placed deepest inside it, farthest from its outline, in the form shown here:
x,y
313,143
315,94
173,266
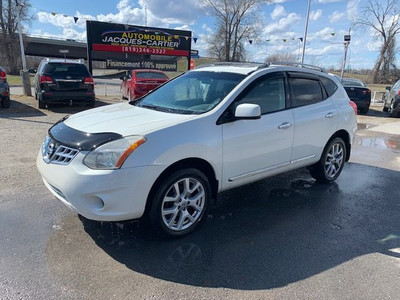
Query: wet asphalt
x,y
285,237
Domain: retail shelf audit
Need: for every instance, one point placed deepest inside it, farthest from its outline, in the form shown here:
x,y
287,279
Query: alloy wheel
x,y
334,160
183,204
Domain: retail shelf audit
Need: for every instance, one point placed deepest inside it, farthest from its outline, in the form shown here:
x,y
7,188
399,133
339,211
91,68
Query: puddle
x,y
361,126
384,143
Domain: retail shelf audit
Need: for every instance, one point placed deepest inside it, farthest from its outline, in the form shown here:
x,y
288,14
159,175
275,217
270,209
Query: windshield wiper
x,y
149,106
166,109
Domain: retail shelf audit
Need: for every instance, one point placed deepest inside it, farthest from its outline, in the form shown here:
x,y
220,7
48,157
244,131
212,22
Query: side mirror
x,y
123,78
32,71
247,111
388,88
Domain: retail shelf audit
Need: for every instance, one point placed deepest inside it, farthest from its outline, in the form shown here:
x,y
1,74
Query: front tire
x,y
329,167
130,98
180,202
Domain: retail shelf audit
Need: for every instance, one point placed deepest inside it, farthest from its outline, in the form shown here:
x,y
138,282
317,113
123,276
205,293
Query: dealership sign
x,y
162,65
110,37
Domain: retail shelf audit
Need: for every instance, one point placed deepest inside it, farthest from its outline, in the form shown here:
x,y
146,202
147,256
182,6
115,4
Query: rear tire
x,y
41,104
392,109
180,202
92,103
329,167
364,110
385,109
5,102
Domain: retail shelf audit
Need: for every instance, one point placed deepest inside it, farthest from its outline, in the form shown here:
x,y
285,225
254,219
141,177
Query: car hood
x,y
124,119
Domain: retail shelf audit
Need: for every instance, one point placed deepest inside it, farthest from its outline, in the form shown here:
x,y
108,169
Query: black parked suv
x,y
4,90
63,81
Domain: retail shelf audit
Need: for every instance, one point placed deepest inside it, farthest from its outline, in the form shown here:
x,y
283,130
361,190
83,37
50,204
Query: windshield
x,y
192,93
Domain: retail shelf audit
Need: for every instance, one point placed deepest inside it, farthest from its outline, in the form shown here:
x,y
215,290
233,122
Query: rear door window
x,y
305,91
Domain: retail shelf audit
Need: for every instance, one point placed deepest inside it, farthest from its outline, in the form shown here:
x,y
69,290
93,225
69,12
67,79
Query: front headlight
x,y
113,154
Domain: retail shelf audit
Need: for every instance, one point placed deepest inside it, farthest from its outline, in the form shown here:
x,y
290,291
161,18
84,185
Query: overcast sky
x,y
283,25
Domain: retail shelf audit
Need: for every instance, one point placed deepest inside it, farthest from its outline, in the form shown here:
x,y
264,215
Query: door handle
x,y
329,115
285,125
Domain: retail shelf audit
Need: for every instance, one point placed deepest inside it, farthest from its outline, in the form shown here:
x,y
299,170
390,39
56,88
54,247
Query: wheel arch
x,y
197,163
345,136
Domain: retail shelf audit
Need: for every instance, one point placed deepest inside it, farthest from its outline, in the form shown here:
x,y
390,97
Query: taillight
x,y
88,80
45,79
398,92
3,75
354,106
365,92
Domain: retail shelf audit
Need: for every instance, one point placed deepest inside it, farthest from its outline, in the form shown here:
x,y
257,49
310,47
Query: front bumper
x,y
102,195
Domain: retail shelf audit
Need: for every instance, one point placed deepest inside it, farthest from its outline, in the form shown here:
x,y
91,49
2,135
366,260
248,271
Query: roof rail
x,y
233,64
293,64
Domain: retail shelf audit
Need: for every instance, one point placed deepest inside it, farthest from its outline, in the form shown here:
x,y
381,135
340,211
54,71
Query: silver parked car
x,y
391,100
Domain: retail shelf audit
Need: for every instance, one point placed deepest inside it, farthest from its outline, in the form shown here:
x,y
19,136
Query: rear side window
x,y
153,75
305,91
66,70
330,86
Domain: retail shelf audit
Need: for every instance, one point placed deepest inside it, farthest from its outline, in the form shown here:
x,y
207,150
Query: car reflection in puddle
x,y
383,143
264,235
361,126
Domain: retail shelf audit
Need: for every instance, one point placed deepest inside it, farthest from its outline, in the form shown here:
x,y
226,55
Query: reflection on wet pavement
x,y
264,235
361,126
384,143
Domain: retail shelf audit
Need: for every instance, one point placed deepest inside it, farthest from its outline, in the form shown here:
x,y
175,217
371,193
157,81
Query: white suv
x,y
167,155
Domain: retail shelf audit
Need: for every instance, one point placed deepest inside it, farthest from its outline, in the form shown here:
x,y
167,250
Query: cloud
x,y
173,11
336,16
323,35
328,1
327,50
283,25
315,15
352,9
279,11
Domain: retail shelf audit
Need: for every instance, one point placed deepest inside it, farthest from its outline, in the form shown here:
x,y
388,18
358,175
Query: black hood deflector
x,y
80,140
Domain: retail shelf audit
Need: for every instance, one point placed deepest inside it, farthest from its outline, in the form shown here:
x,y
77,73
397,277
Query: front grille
x,y
54,152
63,155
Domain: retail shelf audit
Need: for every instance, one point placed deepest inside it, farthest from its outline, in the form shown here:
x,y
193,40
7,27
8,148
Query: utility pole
x,y
305,32
145,15
347,38
26,81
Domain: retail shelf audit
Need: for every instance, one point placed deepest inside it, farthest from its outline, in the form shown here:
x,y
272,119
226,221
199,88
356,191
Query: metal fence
x,y
377,98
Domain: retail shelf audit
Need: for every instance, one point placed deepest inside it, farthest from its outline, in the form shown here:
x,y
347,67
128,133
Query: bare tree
x,y
383,17
281,57
10,51
236,22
